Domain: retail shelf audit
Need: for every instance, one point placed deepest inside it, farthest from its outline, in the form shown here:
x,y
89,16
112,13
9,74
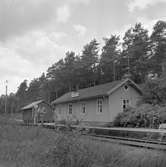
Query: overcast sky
x,y
36,33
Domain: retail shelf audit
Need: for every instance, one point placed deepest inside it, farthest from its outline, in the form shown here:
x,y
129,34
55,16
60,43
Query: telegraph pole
x,y
6,89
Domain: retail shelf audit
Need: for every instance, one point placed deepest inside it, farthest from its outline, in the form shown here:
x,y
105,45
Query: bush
x,y
145,115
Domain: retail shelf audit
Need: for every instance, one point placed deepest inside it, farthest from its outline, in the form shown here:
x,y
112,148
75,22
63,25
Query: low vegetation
x,y
22,146
146,115
142,116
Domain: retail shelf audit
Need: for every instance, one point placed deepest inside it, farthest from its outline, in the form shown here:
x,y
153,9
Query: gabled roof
x,y
31,105
96,91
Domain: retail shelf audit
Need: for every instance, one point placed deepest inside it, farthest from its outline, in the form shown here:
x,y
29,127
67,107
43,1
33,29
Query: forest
x,y
140,55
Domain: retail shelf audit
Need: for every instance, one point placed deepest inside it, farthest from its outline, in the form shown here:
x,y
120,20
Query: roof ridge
x,y
90,92
96,85
32,104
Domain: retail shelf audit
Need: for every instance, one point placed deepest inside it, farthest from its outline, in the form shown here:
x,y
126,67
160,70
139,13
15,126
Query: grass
x,y
22,146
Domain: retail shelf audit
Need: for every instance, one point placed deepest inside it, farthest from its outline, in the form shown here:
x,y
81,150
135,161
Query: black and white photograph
x,y
82,83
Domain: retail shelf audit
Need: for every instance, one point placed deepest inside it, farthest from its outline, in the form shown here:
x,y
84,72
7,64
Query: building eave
x,y
79,99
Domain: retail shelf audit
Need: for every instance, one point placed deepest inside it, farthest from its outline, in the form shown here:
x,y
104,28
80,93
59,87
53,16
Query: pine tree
x,y
158,52
21,93
88,64
109,59
135,53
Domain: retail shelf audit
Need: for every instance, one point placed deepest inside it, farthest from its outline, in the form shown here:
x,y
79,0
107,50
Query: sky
x,y
34,34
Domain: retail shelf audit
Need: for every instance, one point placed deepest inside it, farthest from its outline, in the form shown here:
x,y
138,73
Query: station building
x,y
98,105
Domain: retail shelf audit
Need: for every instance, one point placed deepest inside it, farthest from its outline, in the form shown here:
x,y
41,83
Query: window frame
x,y
83,108
126,103
70,108
59,110
99,105
126,87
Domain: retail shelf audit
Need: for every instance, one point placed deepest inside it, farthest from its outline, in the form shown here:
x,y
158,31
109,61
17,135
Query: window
x,y
70,109
125,103
126,87
83,108
100,105
59,110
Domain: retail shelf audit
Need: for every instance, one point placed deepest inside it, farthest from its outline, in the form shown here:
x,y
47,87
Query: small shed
x,y
37,112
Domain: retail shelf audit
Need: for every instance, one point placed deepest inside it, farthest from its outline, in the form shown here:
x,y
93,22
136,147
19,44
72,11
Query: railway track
x,y
149,144
134,142
131,139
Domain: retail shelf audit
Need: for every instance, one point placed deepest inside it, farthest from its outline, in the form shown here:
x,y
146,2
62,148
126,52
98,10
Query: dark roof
x,y
96,91
31,105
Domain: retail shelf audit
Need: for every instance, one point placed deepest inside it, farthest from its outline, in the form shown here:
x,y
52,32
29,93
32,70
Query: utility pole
x,y
6,89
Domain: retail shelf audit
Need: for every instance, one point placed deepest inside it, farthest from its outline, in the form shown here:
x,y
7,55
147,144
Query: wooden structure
x,y
37,112
98,105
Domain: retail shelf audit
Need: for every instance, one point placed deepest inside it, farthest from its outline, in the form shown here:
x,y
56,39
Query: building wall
x,y
112,105
43,113
91,114
116,100
48,116
27,116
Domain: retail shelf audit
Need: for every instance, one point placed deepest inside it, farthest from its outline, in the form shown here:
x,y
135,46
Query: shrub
x,y
145,115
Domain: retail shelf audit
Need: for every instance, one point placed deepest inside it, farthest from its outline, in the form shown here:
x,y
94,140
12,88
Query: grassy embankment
x,y
22,146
